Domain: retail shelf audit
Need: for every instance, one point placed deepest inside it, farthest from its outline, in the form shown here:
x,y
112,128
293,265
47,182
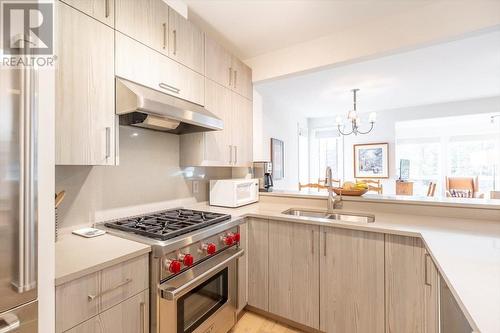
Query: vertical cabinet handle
x,y
324,243
426,270
108,142
235,154
235,78
175,41
164,35
312,242
106,8
230,76
230,154
142,314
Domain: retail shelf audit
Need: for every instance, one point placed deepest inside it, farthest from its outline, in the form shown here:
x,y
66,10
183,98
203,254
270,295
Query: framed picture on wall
x,y
371,160
278,158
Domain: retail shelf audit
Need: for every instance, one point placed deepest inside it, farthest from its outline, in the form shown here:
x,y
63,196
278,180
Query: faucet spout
x,y
334,202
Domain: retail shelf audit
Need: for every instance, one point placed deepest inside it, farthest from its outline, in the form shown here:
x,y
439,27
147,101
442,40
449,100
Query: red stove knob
x,y
236,237
209,248
174,266
228,239
187,259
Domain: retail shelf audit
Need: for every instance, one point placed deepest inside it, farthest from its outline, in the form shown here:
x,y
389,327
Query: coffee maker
x,y
263,172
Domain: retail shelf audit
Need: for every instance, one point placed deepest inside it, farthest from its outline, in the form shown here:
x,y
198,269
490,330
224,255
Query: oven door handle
x,y
171,293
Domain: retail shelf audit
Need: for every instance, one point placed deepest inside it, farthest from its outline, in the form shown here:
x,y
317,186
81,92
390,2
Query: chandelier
x,y
355,120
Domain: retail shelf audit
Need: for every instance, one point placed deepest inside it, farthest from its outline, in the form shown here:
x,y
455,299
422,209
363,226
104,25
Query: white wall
x,y
278,123
436,22
384,130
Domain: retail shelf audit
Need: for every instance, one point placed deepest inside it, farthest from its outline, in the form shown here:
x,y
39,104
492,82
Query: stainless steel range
x,y
193,268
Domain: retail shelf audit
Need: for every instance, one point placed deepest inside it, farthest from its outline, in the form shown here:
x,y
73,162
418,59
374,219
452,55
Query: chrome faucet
x,y
334,202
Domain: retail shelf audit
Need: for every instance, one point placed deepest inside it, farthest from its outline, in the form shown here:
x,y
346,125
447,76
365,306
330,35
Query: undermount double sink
x,y
337,216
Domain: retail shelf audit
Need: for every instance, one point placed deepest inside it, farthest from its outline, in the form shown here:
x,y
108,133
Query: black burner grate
x,y
168,224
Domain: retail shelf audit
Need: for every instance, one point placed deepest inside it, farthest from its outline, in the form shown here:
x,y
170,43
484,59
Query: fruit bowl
x,y
352,192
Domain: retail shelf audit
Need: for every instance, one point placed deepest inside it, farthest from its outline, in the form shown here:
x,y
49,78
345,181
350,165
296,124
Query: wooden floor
x,y
253,323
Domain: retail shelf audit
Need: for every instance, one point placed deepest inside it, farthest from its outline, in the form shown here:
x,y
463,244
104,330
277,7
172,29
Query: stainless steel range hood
x,y
144,107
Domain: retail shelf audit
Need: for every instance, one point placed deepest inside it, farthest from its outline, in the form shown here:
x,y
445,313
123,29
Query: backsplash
x,y
148,173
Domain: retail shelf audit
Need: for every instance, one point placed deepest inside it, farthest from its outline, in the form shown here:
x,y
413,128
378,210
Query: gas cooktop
x,y
168,224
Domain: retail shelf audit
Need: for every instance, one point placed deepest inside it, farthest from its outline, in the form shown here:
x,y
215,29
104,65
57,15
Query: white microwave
x,y
233,192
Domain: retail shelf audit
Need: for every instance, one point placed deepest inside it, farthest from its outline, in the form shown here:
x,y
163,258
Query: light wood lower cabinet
x,y
411,286
93,325
352,281
258,262
130,316
85,87
243,269
83,299
294,272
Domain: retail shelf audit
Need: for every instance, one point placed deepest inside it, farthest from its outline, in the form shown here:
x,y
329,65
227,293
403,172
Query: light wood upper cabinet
x,y
157,71
232,146
145,21
85,84
186,42
258,259
226,69
410,305
130,316
102,10
294,272
217,62
352,281
242,78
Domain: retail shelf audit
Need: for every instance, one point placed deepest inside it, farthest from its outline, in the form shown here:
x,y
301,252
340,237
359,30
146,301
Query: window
x,y
465,146
324,152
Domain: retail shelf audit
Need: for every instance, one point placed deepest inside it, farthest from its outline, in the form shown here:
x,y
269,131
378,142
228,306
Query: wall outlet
x,y
195,186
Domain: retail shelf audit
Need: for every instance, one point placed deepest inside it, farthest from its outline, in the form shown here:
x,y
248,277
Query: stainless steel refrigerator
x,y
18,200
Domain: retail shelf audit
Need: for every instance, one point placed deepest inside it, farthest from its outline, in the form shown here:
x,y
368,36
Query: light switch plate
x,y
195,186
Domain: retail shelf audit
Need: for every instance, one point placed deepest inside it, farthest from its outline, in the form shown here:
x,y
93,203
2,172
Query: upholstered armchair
x,y
463,187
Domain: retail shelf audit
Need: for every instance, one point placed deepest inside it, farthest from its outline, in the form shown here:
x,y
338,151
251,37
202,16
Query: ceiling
x,y
464,69
254,27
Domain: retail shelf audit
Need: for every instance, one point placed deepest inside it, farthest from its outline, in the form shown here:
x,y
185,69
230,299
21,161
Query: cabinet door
x,y
145,21
102,10
242,130
130,316
258,255
352,281
431,295
217,63
218,144
405,284
93,325
242,78
123,280
186,42
157,71
76,302
294,272
85,109
243,269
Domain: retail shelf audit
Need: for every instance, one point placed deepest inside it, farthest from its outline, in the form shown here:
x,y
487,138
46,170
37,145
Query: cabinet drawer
x,y
130,316
73,304
92,325
124,280
157,71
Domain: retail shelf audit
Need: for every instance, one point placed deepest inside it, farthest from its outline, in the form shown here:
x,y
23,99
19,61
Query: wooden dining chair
x,y
373,185
463,187
431,189
311,185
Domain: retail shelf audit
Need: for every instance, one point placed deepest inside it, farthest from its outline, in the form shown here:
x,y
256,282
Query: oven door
x,y
203,298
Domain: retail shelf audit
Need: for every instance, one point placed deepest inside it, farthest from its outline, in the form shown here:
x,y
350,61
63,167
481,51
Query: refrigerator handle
x,y
9,323
27,265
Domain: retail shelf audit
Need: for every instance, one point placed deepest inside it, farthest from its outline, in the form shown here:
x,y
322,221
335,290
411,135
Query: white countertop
x,y
78,256
466,252
404,199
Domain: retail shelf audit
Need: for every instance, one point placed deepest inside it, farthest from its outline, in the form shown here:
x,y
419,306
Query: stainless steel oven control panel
x,y
182,259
